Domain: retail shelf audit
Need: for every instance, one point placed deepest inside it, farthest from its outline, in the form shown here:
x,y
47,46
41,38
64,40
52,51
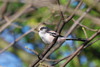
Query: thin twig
x,y
62,17
61,13
60,60
70,30
80,48
95,30
3,9
69,1
11,44
84,32
46,54
15,16
77,22
69,18
56,61
36,53
91,43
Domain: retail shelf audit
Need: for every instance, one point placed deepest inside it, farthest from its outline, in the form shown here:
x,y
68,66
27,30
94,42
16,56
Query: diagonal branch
x,y
69,32
80,48
95,30
46,53
15,16
11,44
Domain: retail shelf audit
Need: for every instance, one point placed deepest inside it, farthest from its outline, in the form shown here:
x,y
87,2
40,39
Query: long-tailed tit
x,y
48,35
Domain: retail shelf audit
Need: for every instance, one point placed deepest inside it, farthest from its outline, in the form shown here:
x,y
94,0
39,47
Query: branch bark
x,y
15,16
80,48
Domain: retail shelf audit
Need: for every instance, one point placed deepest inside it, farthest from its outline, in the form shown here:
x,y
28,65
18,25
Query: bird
x,y
47,35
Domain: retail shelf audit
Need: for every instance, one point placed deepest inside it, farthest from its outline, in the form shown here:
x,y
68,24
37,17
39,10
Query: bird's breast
x,y
46,38
49,38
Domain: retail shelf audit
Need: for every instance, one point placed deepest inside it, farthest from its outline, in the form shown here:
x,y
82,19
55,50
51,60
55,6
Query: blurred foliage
x,y
93,3
33,41
13,8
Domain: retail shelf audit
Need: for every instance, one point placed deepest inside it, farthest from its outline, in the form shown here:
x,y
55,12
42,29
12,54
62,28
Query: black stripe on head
x,y
44,28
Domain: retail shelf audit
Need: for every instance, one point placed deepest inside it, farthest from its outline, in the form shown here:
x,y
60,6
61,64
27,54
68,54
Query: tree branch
x,y
80,48
15,16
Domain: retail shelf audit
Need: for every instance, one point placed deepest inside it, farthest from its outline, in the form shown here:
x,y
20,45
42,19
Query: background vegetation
x,y
21,46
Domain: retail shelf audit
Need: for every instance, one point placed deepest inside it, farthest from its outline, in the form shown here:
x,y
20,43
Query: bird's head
x,y
44,29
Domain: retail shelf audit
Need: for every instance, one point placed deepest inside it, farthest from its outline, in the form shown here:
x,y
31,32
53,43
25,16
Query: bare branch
x,y
95,30
91,43
15,16
3,9
46,52
71,29
69,1
36,53
11,44
77,22
61,60
84,32
80,48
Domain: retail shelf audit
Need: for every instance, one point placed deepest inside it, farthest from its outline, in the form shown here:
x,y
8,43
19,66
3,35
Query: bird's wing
x,y
55,34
